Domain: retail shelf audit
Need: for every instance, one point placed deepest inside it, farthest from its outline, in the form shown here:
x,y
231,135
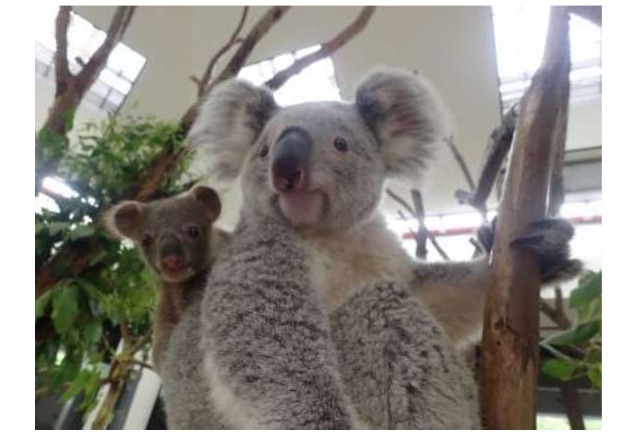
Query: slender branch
x,y
430,235
233,39
63,75
98,60
479,249
146,338
142,364
259,30
326,49
497,149
423,234
437,246
406,219
402,202
461,162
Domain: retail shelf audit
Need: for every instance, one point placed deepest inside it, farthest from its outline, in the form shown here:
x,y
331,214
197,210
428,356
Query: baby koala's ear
x,y
406,116
125,219
209,199
229,122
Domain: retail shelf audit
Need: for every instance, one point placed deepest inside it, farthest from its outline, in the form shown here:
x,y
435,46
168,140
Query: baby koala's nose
x,y
172,262
290,160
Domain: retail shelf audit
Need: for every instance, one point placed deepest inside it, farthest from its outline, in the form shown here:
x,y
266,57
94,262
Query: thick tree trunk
x,y
511,328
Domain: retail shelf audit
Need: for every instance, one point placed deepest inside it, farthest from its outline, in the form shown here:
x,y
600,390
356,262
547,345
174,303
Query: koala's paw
x,y
549,239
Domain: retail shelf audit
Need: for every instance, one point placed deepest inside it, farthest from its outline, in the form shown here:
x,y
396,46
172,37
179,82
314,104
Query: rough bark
x,y
510,352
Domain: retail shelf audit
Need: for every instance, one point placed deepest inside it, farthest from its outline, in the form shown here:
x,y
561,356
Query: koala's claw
x,y
528,241
549,239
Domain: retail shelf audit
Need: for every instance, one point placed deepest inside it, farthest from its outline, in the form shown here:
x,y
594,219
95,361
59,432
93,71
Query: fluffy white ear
x,y
406,116
124,219
229,121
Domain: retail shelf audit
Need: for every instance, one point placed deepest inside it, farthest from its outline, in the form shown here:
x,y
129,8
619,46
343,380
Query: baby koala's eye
x,y
193,231
340,144
264,151
147,239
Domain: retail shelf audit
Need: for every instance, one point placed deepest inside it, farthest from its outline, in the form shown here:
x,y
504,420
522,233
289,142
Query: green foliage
x,y
577,351
116,290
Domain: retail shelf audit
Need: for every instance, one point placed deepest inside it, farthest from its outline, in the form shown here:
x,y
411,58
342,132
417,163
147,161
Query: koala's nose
x,y
171,252
290,160
172,262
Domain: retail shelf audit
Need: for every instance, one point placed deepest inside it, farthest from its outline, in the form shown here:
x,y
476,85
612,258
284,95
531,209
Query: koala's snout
x,y
172,255
290,160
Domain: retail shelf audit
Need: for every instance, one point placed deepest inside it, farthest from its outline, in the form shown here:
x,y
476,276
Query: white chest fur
x,y
344,262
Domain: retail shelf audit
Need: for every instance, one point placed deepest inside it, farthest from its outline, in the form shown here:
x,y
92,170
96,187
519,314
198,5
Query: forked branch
x,y
326,49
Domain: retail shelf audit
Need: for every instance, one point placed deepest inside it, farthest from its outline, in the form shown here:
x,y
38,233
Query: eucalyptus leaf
x,y
558,368
595,376
65,308
576,335
586,292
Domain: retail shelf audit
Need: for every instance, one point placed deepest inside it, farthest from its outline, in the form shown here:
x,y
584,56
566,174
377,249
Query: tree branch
x,y
326,48
259,30
511,327
63,75
402,202
422,234
233,39
98,60
461,162
497,149
70,89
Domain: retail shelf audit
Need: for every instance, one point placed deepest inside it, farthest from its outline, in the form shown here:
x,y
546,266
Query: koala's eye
x,y
340,144
264,151
147,239
193,231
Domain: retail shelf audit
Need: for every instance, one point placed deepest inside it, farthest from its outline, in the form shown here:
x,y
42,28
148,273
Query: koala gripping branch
x,y
510,339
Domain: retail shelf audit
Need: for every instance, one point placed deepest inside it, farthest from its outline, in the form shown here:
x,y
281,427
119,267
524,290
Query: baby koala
x,y
179,243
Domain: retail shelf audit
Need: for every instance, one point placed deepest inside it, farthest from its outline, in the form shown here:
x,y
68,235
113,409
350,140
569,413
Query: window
x,y
314,83
116,79
520,33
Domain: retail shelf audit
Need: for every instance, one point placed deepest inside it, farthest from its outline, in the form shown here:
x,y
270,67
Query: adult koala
x,y
313,174
321,167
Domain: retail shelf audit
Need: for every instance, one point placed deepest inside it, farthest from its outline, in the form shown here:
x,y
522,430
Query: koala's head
x,y
320,164
173,234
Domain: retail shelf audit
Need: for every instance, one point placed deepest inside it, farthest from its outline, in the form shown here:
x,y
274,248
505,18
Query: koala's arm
x,y
268,353
399,366
455,293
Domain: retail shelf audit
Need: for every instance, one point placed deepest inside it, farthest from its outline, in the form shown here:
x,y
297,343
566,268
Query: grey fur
x,y
185,390
266,339
400,369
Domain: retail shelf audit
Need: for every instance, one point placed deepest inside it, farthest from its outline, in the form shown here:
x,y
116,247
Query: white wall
x,y
453,46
